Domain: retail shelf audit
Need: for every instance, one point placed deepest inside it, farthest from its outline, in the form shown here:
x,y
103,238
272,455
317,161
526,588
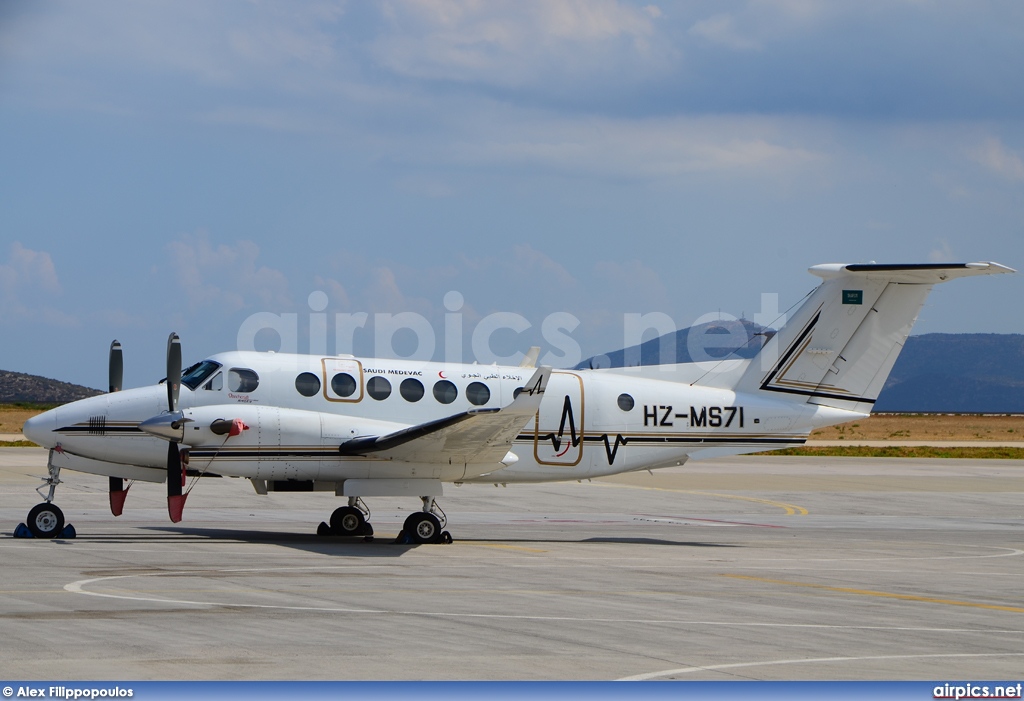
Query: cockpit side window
x,y
198,373
216,383
242,380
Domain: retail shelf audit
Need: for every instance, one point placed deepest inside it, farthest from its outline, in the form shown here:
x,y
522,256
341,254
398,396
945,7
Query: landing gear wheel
x,y
423,528
348,520
45,521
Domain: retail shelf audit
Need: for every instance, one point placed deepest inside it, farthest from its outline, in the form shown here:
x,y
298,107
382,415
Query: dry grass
x,y
14,416
903,451
924,427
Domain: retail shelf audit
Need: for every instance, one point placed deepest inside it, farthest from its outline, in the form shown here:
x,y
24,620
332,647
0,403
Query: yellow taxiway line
x,y
880,594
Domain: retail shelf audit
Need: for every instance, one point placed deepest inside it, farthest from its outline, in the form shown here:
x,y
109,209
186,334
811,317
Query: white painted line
x,y
78,587
817,660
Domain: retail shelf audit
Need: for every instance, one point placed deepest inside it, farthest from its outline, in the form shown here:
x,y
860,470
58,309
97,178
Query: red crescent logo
x,y
440,373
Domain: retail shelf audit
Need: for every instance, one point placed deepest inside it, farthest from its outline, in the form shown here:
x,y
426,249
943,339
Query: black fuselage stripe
x,y
99,429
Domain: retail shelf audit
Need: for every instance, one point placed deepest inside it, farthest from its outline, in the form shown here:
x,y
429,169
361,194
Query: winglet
x,y
530,359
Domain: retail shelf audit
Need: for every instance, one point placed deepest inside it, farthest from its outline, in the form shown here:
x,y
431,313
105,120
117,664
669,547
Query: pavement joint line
x,y
790,509
880,594
501,546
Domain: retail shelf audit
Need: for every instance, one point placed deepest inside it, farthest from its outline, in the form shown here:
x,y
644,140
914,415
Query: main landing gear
x,y
351,520
426,526
422,527
46,520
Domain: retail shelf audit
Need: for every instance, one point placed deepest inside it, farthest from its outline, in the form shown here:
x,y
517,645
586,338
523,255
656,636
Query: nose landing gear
x,y
46,520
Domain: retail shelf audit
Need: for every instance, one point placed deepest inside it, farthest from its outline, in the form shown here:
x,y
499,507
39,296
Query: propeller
x,y
175,474
170,426
117,492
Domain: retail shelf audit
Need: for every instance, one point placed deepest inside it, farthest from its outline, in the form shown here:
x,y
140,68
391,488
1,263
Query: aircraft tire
x,y
423,528
347,520
45,521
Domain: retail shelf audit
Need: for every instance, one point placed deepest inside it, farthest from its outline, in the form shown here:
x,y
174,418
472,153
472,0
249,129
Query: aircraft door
x,y
343,379
559,425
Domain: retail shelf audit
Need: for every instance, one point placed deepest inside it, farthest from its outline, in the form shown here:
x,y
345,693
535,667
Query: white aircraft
x,y
363,427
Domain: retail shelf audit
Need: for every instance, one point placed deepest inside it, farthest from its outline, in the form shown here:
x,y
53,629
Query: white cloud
x,y
942,254
511,43
999,159
225,278
633,148
30,271
28,282
721,29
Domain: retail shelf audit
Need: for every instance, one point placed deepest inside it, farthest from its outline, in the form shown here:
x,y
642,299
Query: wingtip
x,y
991,267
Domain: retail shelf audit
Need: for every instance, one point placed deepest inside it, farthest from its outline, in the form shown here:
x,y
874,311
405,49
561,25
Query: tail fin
x,y
839,347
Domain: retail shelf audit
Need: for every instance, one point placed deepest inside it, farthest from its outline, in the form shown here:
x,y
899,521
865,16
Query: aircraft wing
x,y
481,436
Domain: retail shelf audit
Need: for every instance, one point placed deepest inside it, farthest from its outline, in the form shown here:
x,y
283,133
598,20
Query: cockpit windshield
x,y
196,374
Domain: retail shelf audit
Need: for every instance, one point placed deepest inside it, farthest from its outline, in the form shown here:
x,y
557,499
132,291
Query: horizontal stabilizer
x,y
920,273
482,436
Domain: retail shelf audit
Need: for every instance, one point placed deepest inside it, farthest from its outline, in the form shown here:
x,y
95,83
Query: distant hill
x,y
935,372
711,341
972,372
19,387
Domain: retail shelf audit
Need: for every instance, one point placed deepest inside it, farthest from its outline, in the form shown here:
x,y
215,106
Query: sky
x,y
479,177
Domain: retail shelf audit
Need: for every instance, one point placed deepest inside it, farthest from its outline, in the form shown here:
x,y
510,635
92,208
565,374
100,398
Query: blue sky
x,y
185,165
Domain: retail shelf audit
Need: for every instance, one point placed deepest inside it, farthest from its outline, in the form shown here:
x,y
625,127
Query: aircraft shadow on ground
x,y
659,541
381,547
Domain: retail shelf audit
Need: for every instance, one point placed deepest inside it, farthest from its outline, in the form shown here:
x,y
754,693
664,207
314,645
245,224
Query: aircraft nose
x,y
39,429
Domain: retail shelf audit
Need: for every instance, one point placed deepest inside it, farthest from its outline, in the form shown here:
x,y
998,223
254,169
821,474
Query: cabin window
x,y
307,384
378,387
343,384
478,393
196,374
516,392
216,384
243,380
411,390
625,402
445,392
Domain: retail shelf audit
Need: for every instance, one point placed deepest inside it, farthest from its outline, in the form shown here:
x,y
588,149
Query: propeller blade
x,y
175,482
173,371
117,495
116,371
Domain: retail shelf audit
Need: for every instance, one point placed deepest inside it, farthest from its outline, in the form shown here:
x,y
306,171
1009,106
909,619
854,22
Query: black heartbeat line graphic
x,y
575,438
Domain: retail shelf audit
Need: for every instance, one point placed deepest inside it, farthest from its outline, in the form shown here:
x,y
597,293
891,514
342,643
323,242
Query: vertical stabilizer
x,y
839,347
